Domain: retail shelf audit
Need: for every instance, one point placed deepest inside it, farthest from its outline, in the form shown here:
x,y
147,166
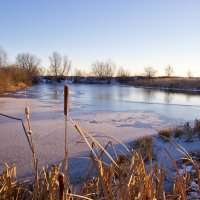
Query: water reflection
x,y
149,95
168,97
56,94
114,94
124,94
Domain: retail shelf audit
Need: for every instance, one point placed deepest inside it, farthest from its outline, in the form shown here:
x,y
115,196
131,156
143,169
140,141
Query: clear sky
x,y
133,33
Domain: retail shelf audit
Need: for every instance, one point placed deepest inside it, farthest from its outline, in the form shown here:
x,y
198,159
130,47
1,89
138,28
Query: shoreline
x,y
162,85
174,90
13,88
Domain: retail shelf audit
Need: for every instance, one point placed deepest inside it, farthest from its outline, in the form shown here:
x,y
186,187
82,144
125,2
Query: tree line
x,y
61,66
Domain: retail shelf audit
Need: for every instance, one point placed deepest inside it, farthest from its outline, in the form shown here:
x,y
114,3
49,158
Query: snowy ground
x,y
47,122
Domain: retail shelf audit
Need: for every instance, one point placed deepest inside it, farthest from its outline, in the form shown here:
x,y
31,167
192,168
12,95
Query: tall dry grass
x,y
13,78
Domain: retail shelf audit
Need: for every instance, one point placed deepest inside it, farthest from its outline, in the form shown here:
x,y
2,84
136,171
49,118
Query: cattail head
x,y
27,111
30,132
61,180
66,100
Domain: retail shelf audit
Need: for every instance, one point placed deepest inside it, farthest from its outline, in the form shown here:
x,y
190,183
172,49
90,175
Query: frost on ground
x,y
47,123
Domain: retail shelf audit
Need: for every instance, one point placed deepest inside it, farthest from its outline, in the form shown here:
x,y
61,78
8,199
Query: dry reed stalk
x,y
96,142
66,100
35,161
66,112
188,157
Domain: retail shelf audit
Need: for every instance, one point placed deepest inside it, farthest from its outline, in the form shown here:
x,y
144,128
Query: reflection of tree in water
x,y
104,95
149,95
123,94
168,97
57,94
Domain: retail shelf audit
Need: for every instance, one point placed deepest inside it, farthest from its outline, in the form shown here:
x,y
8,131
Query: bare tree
x,y
123,73
66,66
3,58
104,70
149,72
189,74
42,71
169,70
59,66
55,63
29,62
78,75
123,76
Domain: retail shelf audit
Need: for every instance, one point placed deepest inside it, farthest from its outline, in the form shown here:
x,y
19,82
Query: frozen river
x,y
95,98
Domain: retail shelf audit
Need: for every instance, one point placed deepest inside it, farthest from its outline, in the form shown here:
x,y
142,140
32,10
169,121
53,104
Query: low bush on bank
x,y
12,78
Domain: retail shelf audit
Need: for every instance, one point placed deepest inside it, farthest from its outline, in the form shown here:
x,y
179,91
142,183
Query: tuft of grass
x,y
167,132
188,132
178,132
144,145
197,127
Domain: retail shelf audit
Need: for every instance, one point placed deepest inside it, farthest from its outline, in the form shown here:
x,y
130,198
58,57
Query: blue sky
x,y
133,33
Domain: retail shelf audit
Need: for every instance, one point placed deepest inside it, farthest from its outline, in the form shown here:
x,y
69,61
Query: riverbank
x,y
176,84
13,78
11,88
172,84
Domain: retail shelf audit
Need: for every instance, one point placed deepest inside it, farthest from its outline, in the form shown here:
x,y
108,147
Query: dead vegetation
x,y
177,83
186,132
13,78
